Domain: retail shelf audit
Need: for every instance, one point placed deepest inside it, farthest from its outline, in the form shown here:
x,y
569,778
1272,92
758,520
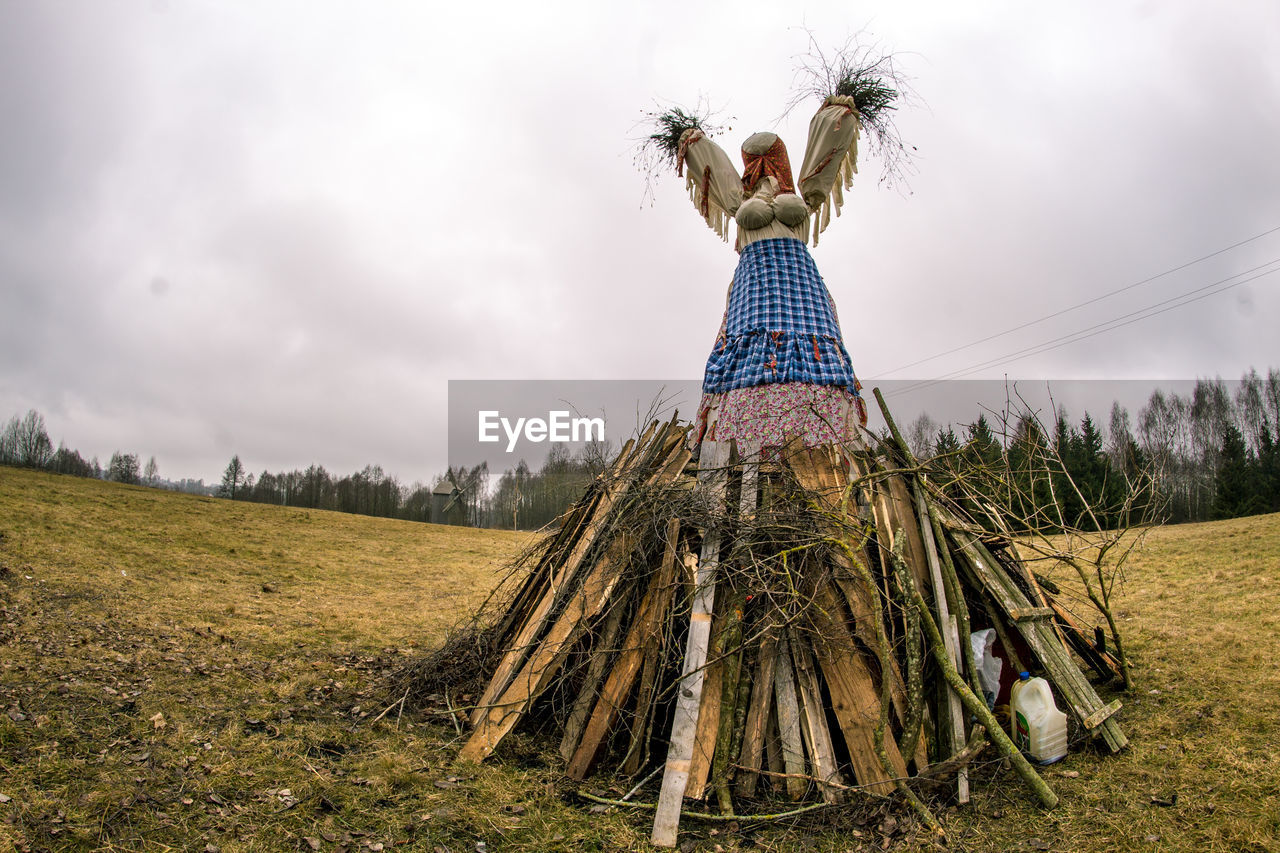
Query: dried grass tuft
x,y
878,88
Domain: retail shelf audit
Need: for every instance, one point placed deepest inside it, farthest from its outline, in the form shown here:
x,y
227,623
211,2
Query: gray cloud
x,y
278,230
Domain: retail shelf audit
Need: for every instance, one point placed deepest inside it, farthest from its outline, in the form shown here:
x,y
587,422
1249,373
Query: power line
x,y
1120,290
1123,320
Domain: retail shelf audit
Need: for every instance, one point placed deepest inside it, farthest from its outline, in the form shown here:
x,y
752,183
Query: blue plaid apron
x,y
780,325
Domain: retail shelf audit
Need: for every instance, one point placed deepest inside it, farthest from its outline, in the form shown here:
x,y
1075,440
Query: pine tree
x,y
946,442
1237,486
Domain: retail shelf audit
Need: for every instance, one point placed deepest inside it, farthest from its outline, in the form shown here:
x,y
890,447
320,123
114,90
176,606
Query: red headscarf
x,y
772,163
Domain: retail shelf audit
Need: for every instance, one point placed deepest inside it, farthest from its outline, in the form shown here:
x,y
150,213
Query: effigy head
x,y
764,155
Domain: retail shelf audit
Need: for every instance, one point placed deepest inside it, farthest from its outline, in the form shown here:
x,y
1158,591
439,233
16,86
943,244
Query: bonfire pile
x,y
796,628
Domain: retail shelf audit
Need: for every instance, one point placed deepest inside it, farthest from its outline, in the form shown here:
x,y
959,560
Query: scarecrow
x,y
779,367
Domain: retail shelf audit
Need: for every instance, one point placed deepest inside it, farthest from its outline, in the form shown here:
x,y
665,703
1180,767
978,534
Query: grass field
x,y
184,673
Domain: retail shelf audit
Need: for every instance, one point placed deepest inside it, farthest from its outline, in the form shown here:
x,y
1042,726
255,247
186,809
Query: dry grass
x,y
264,637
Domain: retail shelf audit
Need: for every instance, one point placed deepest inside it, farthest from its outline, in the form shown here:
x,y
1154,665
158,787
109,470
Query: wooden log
x,y
818,473
502,715
642,637
813,718
684,727
729,649
606,649
758,712
522,646
788,716
653,654
1077,693
854,698
950,711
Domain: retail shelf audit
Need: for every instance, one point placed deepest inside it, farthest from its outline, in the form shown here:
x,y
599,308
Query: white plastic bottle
x,y
1039,728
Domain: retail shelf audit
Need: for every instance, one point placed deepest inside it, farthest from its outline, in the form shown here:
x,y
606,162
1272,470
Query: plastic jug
x,y
1039,728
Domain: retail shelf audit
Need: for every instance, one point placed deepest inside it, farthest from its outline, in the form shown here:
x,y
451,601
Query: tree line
x,y
521,499
1211,454
370,491
25,443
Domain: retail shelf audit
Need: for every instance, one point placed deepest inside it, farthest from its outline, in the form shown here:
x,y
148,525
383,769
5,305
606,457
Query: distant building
x,y
448,505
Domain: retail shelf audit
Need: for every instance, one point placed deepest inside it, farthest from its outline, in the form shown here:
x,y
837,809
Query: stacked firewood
x,y
796,626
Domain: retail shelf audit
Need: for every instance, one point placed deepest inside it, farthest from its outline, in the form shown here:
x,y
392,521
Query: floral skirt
x,y
768,416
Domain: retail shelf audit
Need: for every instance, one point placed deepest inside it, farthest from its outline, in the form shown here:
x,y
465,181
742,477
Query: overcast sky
x,y
278,229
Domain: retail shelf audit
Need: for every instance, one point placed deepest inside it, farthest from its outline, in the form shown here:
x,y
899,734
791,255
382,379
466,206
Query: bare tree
x,y
1251,410
921,435
25,442
8,439
232,478
151,473
123,468
1272,393
1119,438
1026,492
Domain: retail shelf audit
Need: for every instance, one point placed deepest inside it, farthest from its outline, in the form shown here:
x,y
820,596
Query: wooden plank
x,y
539,580
788,716
904,518
646,627
668,444
950,711
503,714
1015,565
1078,637
653,653
684,727
885,539
704,743
748,497
1077,693
753,742
604,652
645,630
817,473
813,718
854,698
1097,718
522,645
1026,614
773,754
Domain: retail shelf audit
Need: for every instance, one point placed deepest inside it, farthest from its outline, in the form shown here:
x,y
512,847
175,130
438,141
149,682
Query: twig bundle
x,y
759,631
659,148
878,87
